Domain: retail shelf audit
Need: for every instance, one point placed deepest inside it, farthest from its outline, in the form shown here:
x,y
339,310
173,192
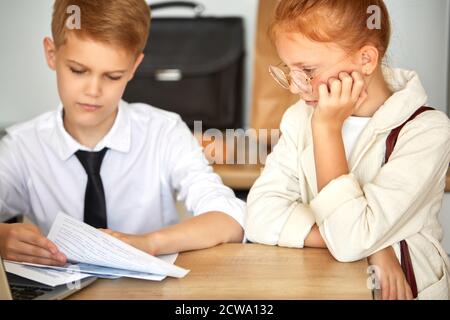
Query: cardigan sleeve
x,y
357,221
275,213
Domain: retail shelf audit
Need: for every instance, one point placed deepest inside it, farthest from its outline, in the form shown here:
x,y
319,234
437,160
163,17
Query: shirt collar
x,y
408,95
118,137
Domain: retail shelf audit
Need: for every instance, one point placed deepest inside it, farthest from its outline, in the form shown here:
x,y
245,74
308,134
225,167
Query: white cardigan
x,y
372,207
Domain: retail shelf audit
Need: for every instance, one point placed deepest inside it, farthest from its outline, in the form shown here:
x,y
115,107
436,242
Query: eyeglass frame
x,y
308,78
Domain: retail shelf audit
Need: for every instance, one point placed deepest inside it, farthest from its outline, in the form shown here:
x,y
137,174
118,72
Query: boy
x,y
115,165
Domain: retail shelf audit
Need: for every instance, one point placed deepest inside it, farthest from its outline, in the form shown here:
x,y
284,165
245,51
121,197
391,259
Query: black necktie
x,y
94,200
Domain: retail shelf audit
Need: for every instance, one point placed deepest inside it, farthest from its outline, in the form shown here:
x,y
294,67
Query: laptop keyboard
x,y
22,292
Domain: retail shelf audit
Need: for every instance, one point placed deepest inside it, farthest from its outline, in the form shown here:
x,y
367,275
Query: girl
x,y
326,183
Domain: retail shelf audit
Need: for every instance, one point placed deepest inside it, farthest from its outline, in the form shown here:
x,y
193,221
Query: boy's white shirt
x,y
152,157
370,208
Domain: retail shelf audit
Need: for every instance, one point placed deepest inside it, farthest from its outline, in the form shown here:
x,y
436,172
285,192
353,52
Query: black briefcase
x,y
194,67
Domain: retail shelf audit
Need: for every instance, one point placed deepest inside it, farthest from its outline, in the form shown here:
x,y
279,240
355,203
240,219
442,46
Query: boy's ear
x,y
136,65
50,52
369,56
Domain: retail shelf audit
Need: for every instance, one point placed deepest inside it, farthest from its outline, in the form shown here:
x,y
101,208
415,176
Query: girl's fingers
x,y
401,290
335,88
409,295
323,92
385,288
392,288
362,98
347,84
358,85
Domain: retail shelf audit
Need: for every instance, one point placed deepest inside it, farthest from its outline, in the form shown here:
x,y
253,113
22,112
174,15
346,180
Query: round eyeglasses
x,y
298,78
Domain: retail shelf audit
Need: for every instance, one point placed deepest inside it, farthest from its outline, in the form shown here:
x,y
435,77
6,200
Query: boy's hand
x,y
141,242
25,243
393,282
344,96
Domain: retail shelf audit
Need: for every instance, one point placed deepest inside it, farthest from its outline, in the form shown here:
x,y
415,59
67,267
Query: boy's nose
x,y
93,88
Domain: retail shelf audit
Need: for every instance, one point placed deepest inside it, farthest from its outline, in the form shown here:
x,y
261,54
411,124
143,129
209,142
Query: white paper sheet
x,y
43,275
106,272
82,243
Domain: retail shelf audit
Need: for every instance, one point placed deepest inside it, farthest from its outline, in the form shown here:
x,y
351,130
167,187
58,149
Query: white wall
x,y
420,41
27,86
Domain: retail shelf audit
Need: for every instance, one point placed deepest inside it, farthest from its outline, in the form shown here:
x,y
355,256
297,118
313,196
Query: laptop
x,y
13,287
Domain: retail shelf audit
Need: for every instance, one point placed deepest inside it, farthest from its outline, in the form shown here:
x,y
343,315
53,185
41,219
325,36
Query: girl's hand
x,y
345,96
144,242
392,279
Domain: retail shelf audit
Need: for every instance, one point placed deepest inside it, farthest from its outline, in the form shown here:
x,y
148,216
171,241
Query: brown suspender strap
x,y
392,138
405,256
407,268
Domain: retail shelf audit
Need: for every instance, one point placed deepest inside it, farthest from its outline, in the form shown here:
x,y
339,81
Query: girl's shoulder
x,y
296,116
430,120
427,131
434,118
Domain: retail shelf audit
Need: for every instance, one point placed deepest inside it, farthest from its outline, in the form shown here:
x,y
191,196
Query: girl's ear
x,y
50,52
369,58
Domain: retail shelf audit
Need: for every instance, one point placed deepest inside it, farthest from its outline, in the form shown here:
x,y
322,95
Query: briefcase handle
x,y
197,7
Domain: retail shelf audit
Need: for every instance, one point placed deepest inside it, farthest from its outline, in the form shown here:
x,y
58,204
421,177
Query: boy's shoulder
x,y
146,112
28,127
139,112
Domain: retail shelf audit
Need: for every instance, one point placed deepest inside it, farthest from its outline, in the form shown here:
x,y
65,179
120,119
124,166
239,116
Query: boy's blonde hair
x,y
123,23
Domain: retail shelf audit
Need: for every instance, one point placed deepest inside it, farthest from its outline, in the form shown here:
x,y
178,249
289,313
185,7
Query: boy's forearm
x,y
329,154
203,231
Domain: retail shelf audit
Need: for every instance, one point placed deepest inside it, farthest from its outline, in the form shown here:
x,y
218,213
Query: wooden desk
x,y
250,271
238,177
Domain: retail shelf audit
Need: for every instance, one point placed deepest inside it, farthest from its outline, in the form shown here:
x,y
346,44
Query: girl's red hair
x,y
345,22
